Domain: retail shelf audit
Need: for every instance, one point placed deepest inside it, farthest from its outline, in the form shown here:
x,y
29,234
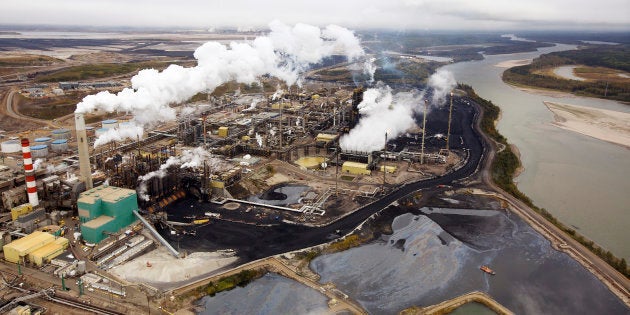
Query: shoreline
x,y
606,125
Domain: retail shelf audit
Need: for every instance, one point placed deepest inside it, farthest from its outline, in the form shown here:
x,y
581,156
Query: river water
x,y
584,182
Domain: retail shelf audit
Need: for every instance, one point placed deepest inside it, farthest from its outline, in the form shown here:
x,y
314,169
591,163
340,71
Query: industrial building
x,y
22,249
104,210
355,168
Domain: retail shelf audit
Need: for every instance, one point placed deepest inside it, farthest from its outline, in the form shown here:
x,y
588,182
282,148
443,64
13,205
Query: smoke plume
x,y
442,82
381,112
188,159
122,132
284,53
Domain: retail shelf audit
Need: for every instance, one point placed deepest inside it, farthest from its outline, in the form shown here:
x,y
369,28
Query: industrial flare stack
x,y
84,158
31,187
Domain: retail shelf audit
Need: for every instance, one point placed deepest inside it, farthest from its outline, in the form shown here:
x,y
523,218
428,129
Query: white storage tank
x,y
39,151
42,141
81,266
60,145
89,131
61,134
11,146
101,131
110,124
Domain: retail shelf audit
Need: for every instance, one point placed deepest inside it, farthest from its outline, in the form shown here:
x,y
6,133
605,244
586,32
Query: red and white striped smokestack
x,y
31,187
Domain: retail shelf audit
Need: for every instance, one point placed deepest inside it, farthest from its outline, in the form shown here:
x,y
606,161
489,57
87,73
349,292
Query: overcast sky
x,y
393,14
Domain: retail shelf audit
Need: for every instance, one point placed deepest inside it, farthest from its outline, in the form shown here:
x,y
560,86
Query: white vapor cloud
x,y
381,111
188,159
442,82
284,53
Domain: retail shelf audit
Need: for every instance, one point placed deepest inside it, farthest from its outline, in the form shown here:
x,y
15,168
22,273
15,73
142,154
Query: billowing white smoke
x,y
381,112
284,53
369,68
37,163
442,82
188,159
259,139
122,132
277,94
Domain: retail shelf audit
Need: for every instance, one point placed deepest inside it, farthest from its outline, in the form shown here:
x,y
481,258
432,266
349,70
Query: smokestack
x,y
31,187
448,132
84,158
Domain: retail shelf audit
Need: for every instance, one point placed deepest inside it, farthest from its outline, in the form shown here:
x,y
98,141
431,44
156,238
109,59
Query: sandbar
x,y
608,125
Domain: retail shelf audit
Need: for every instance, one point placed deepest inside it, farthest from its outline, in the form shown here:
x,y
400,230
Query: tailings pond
x,y
271,294
435,256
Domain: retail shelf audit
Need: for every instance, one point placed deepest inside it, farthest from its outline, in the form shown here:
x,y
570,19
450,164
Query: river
x,y
582,181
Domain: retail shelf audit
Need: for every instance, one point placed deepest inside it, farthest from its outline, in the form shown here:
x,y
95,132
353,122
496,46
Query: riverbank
x,y
606,125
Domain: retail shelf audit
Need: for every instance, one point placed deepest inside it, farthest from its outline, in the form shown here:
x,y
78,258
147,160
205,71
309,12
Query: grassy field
x,y
49,108
602,74
27,60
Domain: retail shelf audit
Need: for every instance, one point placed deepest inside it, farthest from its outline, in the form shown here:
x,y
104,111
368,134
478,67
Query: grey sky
x,y
397,14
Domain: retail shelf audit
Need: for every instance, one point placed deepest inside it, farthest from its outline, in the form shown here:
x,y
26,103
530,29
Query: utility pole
x,y
384,162
337,171
448,132
424,130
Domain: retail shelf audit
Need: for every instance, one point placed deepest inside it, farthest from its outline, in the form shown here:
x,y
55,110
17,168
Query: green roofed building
x,y
105,209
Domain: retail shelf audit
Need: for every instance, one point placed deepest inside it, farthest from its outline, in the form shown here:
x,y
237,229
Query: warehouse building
x,y
104,210
355,168
49,251
18,250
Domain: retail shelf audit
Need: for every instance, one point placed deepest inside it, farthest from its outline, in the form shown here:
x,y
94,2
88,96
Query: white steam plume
x,y
284,53
442,83
122,132
37,163
188,159
277,94
381,112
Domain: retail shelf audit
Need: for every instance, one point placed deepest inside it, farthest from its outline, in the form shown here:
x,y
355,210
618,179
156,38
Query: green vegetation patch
x,y
503,167
240,279
27,60
613,57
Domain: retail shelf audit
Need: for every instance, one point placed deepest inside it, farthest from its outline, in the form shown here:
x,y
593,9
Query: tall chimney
x,y
31,187
84,158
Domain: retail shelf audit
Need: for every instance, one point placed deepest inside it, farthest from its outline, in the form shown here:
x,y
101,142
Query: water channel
x,y
582,181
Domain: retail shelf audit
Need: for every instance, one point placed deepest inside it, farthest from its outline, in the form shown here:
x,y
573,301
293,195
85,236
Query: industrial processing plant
x,y
206,172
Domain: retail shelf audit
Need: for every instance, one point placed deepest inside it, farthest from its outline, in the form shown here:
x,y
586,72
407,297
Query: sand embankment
x,y
513,63
608,125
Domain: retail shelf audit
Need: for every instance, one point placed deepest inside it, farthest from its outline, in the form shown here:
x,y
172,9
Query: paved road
x,y
258,242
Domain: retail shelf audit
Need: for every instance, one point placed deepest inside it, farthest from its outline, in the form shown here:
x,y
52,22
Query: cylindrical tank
x,y
61,134
11,146
89,131
101,131
110,123
43,140
39,151
60,145
81,266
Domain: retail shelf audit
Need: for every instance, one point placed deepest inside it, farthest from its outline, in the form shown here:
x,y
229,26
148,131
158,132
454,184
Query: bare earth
x,y
165,268
513,63
607,125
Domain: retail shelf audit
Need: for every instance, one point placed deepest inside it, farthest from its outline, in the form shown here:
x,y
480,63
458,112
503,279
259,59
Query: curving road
x,y
255,242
